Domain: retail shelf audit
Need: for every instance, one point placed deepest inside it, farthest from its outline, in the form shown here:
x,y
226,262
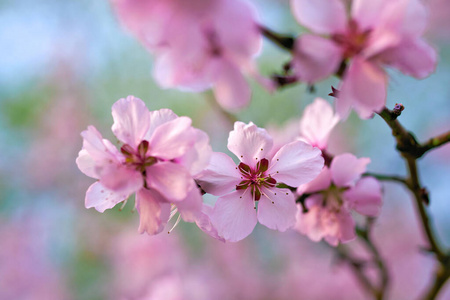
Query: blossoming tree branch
x,y
294,183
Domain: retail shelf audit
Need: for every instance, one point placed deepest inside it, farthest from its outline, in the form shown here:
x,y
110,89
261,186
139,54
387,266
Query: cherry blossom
x,y
376,34
160,154
197,44
331,197
255,182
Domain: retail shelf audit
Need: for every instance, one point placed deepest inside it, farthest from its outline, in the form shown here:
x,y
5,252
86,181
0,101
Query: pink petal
x,y
172,139
191,206
221,176
153,211
397,21
171,180
321,16
279,215
98,148
243,40
234,217
101,198
296,163
204,223
249,143
230,87
346,169
86,164
320,183
120,178
131,120
364,88
317,122
343,229
315,58
368,13
404,57
197,158
157,118
310,223
365,197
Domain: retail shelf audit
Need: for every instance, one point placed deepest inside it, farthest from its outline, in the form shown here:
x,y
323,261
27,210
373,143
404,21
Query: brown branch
x,y
357,266
285,42
436,142
364,234
411,150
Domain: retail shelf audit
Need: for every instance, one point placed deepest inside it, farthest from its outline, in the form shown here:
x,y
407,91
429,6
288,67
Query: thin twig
x,y
383,177
285,42
364,234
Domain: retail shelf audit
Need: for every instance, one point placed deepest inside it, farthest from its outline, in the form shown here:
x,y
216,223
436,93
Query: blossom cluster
x,y
282,183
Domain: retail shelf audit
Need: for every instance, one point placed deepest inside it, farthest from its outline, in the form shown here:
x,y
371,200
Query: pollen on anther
x,y
287,193
273,202
242,156
261,149
278,159
240,197
277,172
275,193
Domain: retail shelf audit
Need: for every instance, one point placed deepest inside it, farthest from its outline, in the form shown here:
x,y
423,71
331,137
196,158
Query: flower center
x,y
138,158
353,41
256,178
332,198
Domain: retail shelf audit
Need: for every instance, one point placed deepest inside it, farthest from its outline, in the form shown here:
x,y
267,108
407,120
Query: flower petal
x,y
404,57
317,122
365,197
172,139
296,163
230,87
86,164
157,118
364,88
368,13
153,211
320,183
101,198
347,168
279,215
120,178
204,223
342,228
191,206
234,216
315,58
131,120
197,158
321,16
99,149
221,176
171,180
249,142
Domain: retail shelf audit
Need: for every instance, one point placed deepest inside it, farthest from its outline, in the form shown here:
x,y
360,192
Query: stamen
x,y
123,205
176,223
173,213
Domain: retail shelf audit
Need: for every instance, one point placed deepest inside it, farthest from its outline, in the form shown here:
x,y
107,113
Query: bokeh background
x,y
64,63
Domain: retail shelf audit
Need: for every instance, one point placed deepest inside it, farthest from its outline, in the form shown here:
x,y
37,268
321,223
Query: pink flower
x,y
376,34
197,44
314,127
160,154
317,122
331,197
257,179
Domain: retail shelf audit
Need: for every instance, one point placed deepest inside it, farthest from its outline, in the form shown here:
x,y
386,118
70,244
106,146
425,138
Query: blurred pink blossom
x,y
160,154
256,179
197,44
26,271
376,34
331,197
